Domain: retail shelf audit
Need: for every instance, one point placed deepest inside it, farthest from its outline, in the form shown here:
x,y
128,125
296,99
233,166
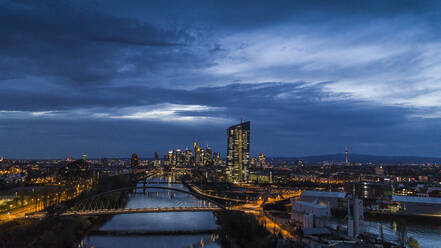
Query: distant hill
x,y
362,158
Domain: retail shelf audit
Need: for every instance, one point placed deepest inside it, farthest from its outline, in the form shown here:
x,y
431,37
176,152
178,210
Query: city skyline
x,y
111,79
254,154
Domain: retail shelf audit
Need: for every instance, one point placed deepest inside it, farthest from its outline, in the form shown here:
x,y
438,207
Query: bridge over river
x,y
102,204
132,211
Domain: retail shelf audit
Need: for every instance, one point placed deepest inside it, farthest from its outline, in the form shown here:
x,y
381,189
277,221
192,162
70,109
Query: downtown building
x,y
238,152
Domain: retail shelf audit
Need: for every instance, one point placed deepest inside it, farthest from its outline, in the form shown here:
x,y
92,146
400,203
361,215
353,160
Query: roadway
x,y
32,207
18,213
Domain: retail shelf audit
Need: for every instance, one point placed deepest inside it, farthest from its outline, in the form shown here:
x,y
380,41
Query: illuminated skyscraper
x,y
195,147
188,156
179,157
195,152
238,150
170,157
134,161
216,158
198,156
262,160
207,156
347,156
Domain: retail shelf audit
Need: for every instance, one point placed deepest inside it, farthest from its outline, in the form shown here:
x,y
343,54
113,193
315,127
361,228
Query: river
x,y
427,231
158,223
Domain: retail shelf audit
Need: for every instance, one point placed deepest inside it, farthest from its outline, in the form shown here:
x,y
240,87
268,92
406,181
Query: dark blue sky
x,y
108,78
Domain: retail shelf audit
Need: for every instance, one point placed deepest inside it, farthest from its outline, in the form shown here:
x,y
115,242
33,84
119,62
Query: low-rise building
x,y
311,215
334,200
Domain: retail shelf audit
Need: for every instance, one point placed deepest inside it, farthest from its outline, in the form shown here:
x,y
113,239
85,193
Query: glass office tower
x,y
238,151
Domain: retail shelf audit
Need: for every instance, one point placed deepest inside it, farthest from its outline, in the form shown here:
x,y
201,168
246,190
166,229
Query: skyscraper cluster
x,y
238,155
197,157
259,162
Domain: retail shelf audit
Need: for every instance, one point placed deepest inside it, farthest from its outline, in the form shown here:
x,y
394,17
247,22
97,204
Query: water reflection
x,y
176,221
151,241
427,231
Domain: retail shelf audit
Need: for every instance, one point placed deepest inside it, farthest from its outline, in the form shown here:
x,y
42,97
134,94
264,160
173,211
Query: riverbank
x,y
239,229
59,231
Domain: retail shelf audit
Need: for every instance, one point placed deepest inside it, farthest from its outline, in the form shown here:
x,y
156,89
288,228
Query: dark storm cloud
x,y
277,103
252,13
289,110
79,46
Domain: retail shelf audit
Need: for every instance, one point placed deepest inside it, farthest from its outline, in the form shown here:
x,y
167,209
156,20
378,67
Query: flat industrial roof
x,y
316,193
309,204
416,199
316,231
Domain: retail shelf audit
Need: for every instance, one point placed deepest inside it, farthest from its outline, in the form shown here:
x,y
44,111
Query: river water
x,y
158,222
427,231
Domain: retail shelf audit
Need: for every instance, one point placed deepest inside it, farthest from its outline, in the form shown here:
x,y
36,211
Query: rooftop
x,y
316,231
315,193
309,204
416,199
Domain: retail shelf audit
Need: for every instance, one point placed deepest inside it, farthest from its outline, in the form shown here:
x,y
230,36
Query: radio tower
x,y
195,146
347,155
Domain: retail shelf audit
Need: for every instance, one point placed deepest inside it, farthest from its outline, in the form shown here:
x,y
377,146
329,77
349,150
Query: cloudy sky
x,y
108,77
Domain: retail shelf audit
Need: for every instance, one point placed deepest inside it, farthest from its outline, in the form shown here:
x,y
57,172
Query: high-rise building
x,y
170,157
195,147
198,156
104,162
166,159
188,156
216,158
180,157
238,150
262,160
253,162
196,151
207,156
134,161
347,156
